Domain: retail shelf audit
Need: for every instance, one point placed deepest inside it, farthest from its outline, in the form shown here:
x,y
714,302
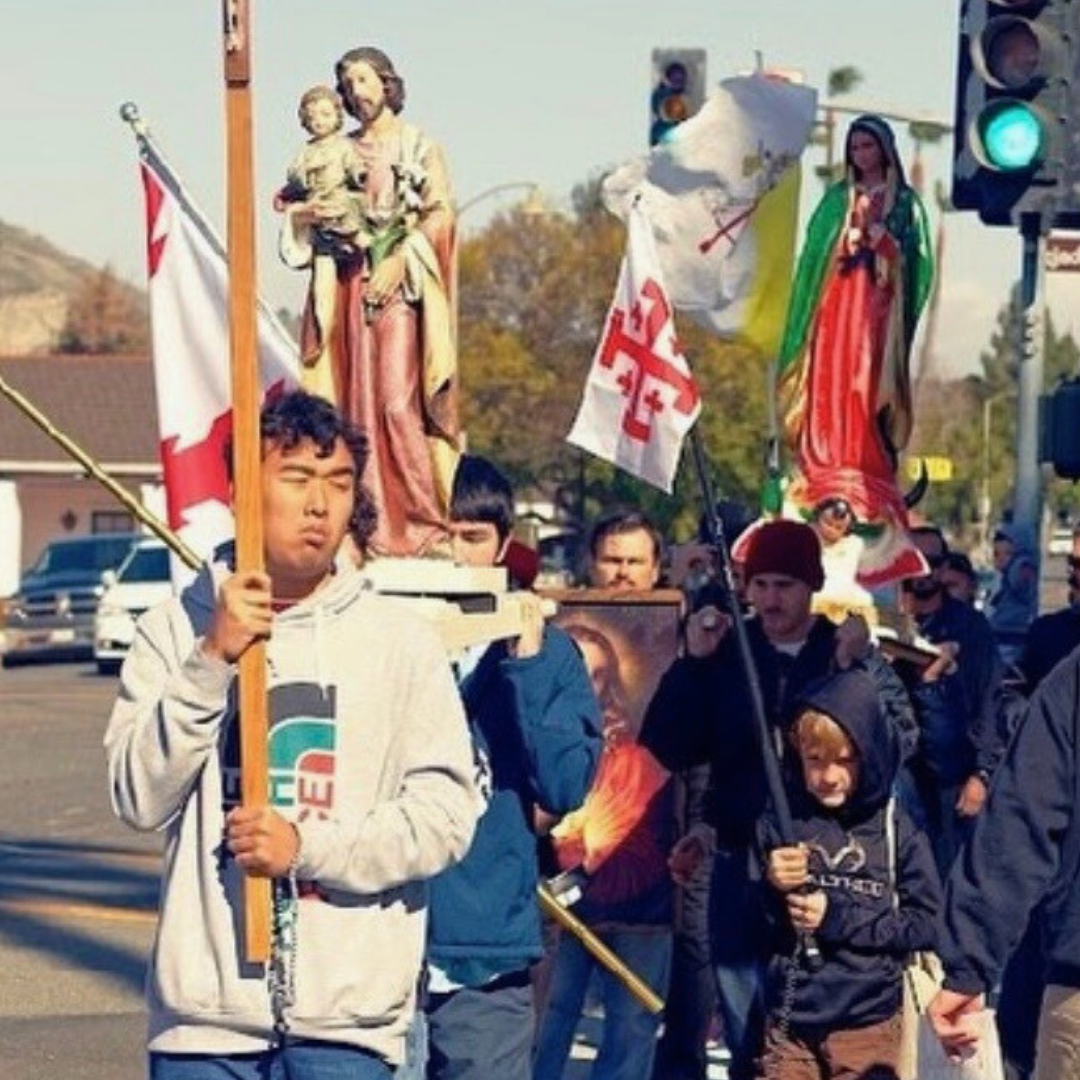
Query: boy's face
x,y
321,117
830,775
476,543
308,500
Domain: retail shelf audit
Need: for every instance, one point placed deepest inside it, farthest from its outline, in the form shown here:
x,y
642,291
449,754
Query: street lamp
x,y
532,204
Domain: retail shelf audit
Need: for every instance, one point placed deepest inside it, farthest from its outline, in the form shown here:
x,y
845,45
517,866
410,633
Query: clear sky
x,y
551,92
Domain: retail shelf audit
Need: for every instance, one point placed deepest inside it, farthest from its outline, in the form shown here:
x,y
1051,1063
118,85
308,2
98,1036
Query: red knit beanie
x,y
785,547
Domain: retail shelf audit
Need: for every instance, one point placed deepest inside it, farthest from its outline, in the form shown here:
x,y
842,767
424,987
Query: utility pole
x,y
1027,511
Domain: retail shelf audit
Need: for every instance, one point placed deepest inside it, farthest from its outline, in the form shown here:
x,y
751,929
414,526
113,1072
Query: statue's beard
x,y
367,112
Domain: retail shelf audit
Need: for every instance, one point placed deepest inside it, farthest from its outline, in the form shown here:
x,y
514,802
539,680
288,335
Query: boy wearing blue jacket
x,y
536,728
861,881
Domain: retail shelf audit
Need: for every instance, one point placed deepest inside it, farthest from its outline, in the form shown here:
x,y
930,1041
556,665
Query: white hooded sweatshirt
x,y
369,755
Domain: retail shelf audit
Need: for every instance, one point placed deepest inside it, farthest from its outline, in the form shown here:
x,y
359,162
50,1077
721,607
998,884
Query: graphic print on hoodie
x,y
301,744
303,734
864,939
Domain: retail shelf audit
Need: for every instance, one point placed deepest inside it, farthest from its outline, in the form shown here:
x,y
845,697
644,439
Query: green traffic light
x,y
1012,136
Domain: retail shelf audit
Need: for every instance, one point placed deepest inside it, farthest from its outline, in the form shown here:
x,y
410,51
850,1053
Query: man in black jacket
x,y
1025,850
1052,637
702,712
958,704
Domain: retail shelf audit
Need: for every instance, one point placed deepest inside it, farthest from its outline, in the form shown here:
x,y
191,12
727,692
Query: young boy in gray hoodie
x,y
371,785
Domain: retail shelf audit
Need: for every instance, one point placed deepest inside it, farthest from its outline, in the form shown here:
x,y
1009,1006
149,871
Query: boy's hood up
x,y
852,700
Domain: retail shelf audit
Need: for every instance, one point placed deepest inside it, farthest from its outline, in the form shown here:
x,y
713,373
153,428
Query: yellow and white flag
x,y
722,197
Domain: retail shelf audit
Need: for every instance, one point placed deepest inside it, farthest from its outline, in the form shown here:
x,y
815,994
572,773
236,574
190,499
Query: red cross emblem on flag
x,y
646,367
640,399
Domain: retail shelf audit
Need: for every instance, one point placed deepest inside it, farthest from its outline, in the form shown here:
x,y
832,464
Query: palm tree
x,y
841,80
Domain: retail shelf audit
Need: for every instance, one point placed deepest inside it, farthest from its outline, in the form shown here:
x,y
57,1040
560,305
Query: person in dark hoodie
x,y
702,713
1025,850
536,726
861,880
1015,602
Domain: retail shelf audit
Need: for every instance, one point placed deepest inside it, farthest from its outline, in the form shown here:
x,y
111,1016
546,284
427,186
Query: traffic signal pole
x,y
1027,503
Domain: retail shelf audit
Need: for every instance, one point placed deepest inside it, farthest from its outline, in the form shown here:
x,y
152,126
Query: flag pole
x,y
247,497
94,470
153,156
773,780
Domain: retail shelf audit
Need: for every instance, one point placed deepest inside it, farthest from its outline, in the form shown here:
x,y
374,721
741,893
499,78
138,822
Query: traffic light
x,y
678,81
1014,100
1059,416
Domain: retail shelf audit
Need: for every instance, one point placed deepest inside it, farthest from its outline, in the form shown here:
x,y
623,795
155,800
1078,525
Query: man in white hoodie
x,y
371,785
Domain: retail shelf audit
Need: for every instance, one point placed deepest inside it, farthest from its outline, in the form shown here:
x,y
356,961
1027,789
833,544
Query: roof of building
x,y
105,404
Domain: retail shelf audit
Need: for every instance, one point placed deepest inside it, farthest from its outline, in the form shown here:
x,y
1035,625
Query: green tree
x,y
839,81
534,293
954,418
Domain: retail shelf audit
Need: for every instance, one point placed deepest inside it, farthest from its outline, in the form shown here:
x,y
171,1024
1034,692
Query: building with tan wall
x,y
106,405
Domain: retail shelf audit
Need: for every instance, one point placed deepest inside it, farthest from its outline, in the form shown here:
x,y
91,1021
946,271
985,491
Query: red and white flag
x,y
640,399
190,332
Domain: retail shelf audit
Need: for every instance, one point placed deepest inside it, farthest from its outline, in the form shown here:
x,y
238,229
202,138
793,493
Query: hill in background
x,y
54,302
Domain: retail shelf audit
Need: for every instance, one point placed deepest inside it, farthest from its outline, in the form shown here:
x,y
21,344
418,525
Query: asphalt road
x,y
77,888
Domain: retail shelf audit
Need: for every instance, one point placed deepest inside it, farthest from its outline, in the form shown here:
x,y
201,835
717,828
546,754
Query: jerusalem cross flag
x,y
640,399
190,334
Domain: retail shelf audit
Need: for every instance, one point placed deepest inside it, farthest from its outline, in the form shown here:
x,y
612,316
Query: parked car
x,y
141,581
52,614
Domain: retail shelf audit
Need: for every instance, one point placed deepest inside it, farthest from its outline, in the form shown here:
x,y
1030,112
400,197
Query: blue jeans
x,y
740,992
483,1032
414,1067
306,1060
629,1040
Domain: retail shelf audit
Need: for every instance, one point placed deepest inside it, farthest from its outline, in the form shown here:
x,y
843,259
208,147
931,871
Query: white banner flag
x,y
190,333
640,399
722,197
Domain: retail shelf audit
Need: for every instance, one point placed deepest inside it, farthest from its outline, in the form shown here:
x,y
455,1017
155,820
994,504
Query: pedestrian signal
x,y
1059,415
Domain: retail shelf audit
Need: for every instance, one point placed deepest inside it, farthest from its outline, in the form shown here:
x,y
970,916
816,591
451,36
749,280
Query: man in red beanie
x,y
702,712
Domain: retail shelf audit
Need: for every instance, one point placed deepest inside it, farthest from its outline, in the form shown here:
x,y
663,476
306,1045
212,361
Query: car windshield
x,y
145,564
66,556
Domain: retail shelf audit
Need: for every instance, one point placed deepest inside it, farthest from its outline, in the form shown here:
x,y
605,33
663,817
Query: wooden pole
x,y
247,487
94,470
648,998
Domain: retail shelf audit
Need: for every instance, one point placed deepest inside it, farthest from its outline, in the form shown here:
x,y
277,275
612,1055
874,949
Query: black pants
x,y
1022,986
691,1000
478,1033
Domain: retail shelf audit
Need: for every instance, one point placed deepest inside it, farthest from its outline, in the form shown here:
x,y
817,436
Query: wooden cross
x,y
247,486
